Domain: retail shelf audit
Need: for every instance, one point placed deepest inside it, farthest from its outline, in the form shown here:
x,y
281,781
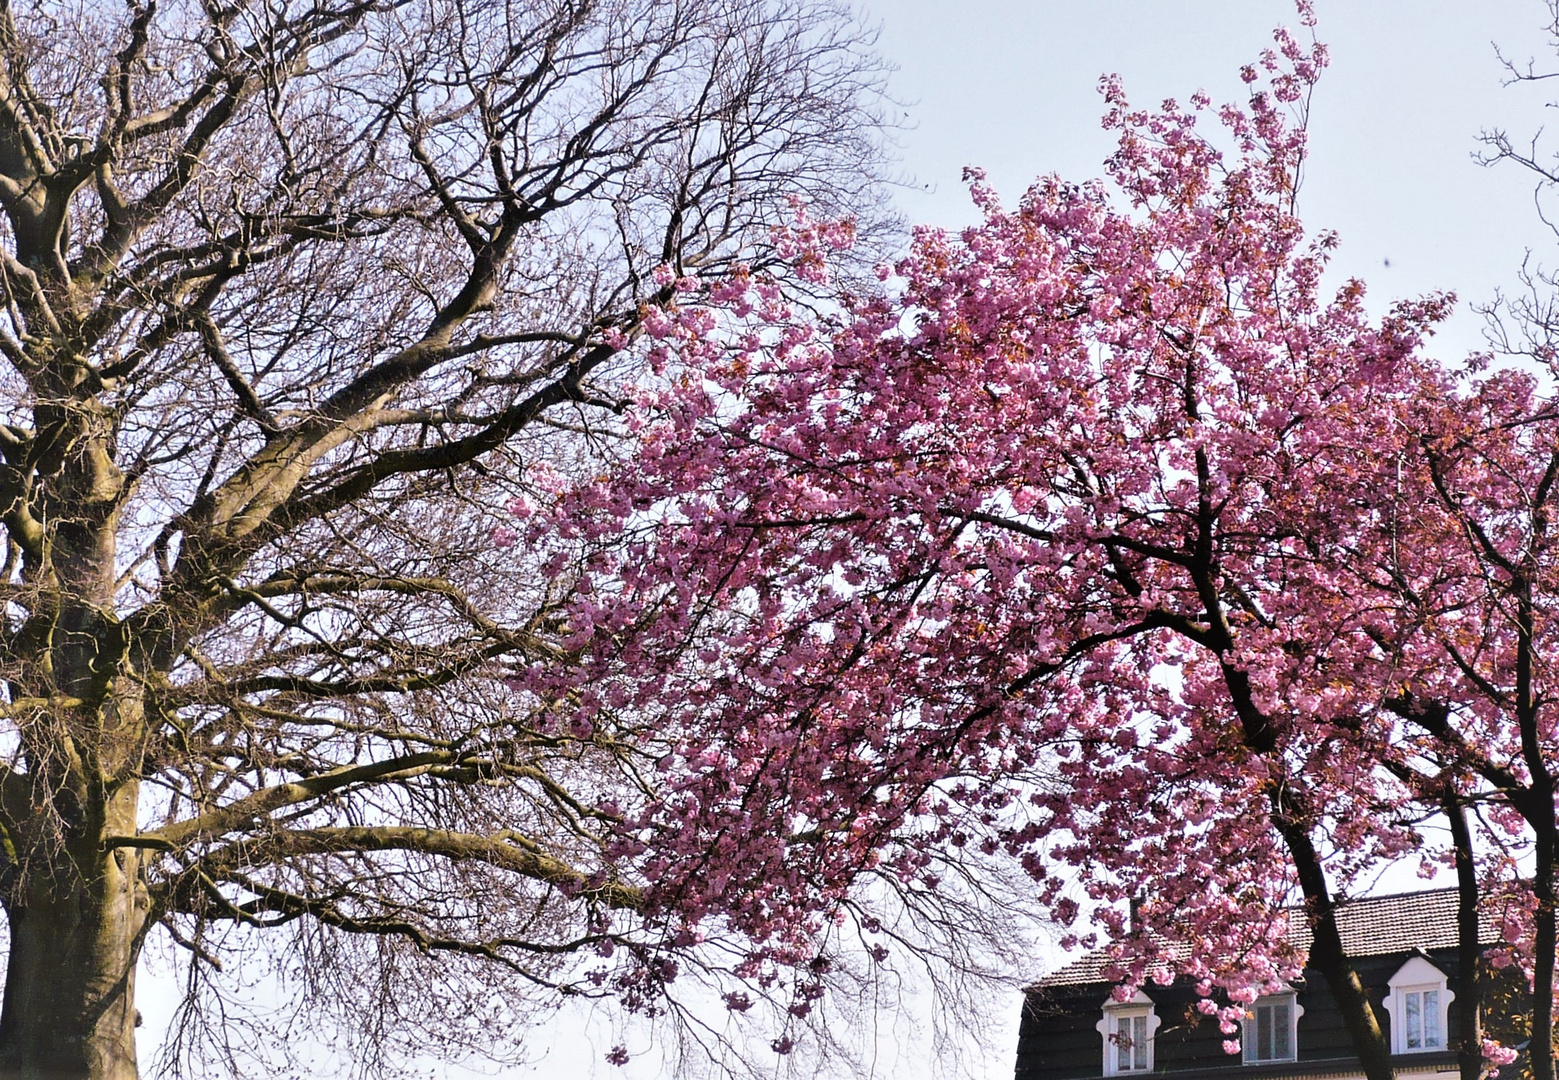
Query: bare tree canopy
x,y
298,294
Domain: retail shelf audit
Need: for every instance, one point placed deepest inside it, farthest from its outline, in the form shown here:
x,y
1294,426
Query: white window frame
x,y
1418,977
1109,1027
1249,1044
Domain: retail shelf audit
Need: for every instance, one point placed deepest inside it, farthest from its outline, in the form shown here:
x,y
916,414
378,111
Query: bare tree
x,y
298,293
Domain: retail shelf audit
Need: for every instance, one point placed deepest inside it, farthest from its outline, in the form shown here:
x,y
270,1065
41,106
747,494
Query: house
x,y
1403,947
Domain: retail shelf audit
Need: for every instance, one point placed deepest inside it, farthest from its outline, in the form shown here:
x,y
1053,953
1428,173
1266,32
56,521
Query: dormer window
x,y
1131,1040
1128,1028
1419,1004
1271,1029
1421,1018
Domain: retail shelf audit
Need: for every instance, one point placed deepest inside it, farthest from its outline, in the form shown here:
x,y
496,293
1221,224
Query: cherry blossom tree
x,y
1098,541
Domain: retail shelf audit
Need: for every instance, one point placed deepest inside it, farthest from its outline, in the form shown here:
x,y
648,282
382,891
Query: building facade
x,y
1404,949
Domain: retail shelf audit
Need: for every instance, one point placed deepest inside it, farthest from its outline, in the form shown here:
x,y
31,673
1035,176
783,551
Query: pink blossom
x,y
1495,1054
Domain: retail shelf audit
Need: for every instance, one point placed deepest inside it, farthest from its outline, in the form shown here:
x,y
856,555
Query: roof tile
x,y
1370,926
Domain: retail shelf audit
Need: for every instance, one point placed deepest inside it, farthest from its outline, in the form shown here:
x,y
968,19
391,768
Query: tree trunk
x,y
1327,954
69,1008
1469,950
1540,1051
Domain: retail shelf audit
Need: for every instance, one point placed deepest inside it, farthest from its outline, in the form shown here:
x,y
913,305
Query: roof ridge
x,y
1369,925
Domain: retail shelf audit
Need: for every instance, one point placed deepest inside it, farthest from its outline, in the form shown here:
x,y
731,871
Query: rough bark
x,y
75,934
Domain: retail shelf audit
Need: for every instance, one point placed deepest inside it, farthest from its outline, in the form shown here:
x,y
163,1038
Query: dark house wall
x,y
1059,1040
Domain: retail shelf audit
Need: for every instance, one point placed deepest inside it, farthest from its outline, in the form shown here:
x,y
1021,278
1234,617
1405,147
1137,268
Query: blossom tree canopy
x,y
1100,541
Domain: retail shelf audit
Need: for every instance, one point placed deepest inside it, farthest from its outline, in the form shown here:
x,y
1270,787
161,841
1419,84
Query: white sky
x,y
1010,86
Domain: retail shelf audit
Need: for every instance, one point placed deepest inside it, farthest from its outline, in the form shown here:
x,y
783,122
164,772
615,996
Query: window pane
x,y
1281,1048
1264,1033
1414,1025
1129,1033
1431,1018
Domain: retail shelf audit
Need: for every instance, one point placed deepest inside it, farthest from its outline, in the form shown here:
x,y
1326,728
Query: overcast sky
x,y
1009,85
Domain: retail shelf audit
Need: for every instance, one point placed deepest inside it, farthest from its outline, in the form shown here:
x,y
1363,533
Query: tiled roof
x,y
1377,925
1370,926
1089,968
